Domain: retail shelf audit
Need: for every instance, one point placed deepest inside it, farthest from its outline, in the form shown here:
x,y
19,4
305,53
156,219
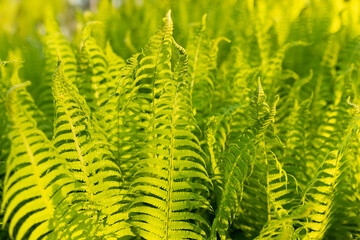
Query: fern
x,y
112,127
55,45
238,162
201,67
93,78
115,63
167,179
28,103
36,176
118,117
79,141
322,189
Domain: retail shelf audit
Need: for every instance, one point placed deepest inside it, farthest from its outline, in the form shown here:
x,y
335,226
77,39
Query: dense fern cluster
x,y
234,119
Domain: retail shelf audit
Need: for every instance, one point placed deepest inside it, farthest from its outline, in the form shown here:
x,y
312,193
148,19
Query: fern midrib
x,y
118,129
170,176
267,182
155,70
168,27
78,149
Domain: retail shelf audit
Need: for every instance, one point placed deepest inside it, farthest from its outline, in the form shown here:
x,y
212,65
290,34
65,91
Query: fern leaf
x,y
36,177
115,63
236,169
119,117
167,178
78,139
322,189
43,123
171,180
56,45
237,162
200,68
298,152
132,106
155,65
93,77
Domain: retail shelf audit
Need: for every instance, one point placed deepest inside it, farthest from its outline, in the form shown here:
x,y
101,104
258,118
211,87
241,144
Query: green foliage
x,y
234,119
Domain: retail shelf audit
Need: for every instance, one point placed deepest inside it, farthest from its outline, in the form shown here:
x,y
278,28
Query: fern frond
x,y
291,96
259,108
281,193
141,84
274,67
155,64
115,63
201,69
93,79
298,151
235,162
119,117
4,123
238,163
347,200
171,179
37,180
262,32
322,188
56,46
217,130
79,140
28,103
274,75
242,76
